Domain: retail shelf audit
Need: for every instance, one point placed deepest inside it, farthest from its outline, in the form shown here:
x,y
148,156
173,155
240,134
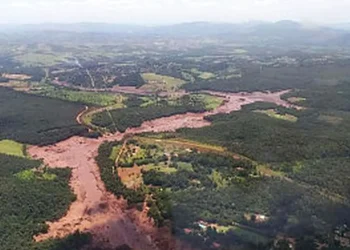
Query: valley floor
x,y
101,213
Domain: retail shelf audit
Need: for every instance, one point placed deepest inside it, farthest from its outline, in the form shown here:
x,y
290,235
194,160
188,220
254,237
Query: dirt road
x,y
101,213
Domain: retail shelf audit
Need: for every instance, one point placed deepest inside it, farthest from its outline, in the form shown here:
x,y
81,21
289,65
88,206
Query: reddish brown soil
x,y
233,102
131,177
16,76
95,210
101,213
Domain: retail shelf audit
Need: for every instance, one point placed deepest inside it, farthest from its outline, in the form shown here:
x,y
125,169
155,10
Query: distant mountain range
x,y
279,32
182,28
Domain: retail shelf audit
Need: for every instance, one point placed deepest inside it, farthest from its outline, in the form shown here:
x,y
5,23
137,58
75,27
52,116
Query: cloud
x,y
19,5
172,11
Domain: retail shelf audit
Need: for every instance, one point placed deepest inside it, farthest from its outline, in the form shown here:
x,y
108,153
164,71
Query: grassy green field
x,y
160,82
202,75
181,143
40,59
30,175
159,168
185,166
9,147
86,97
210,102
218,179
296,99
331,119
273,114
114,153
249,236
147,101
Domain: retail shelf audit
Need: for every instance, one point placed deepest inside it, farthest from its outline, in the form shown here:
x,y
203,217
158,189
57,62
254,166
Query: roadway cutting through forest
x,y
99,212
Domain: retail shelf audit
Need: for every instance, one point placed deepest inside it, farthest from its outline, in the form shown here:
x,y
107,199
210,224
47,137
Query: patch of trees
x,y
256,78
37,120
205,163
4,79
106,165
172,70
76,241
272,140
7,63
326,97
78,77
160,206
132,79
133,101
177,181
326,174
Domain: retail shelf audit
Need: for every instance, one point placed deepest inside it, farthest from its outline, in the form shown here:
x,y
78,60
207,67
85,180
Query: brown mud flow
x,y
100,212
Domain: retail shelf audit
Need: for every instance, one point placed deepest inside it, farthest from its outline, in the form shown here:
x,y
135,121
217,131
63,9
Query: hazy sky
x,y
172,11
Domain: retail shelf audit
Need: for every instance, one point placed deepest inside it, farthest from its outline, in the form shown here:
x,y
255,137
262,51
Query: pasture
x,y
9,147
274,114
157,82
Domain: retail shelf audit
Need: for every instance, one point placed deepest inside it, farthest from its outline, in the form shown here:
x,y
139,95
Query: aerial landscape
x,y
186,136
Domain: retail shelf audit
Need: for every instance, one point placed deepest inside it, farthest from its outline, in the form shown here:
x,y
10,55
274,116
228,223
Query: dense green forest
x,y
37,120
316,134
30,195
262,78
325,97
214,192
310,157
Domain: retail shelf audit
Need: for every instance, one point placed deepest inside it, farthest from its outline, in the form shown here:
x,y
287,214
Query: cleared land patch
x,y
296,99
334,120
9,147
86,97
210,102
157,82
16,76
40,59
273,114
202,75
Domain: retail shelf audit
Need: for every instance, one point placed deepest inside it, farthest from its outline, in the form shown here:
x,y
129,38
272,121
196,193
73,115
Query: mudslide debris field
x,y
101,213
